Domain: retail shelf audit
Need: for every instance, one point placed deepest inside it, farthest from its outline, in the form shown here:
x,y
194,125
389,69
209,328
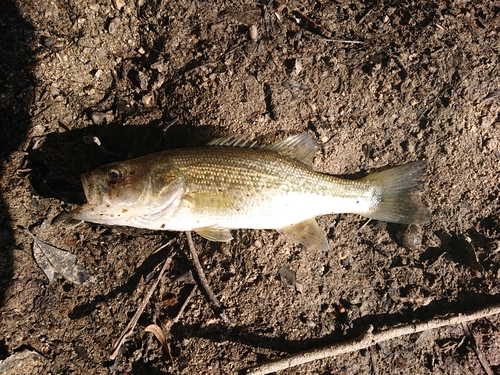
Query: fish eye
x,y
114,173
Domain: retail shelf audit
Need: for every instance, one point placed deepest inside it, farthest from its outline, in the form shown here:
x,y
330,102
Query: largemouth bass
x,y
233,183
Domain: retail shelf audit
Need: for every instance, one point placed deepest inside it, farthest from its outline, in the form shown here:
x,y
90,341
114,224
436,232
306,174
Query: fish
x,y
236,183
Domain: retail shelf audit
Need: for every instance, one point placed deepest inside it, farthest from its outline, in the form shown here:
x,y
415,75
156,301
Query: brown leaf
x,y
168,299
55,262
160,335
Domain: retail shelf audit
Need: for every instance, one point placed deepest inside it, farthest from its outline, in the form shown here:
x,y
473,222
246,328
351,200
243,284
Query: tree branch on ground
x,y
367,339
131,325
204,282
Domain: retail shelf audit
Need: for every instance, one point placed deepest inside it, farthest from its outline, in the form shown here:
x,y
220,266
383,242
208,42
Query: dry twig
x,y
343,41
130,326
367,339
184,305
204,282
480,355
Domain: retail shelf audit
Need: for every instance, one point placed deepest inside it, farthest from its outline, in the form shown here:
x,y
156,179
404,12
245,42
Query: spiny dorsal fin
x,y
235,140
300,147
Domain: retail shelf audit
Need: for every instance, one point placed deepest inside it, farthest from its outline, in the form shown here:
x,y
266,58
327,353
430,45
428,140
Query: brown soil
x,y
143,76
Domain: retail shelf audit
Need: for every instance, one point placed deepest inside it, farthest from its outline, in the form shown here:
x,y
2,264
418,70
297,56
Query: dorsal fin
x,y
300,147
235,140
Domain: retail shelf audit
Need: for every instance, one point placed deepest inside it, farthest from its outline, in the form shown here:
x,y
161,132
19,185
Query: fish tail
x,y
397,198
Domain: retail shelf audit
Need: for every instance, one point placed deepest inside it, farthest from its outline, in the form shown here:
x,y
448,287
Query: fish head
x,y
120,193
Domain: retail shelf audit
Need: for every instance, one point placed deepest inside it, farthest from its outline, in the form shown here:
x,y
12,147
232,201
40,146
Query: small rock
x,y
298,66
48,41
99,118
411,238
37,131
299,287
492,144
254,32
160,65
143,80
139,79
113,26
148,100
24,362
119,4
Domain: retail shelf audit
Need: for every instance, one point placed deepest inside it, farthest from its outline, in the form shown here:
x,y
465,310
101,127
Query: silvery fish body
x,y
233,183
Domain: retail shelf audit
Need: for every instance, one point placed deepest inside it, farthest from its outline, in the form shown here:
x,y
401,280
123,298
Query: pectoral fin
x,y
215,234
307,233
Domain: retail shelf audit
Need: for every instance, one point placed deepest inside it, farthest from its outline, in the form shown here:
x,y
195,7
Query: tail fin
x,y
398,198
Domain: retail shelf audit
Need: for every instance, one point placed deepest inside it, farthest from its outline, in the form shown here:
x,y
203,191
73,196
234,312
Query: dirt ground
x,y
377,83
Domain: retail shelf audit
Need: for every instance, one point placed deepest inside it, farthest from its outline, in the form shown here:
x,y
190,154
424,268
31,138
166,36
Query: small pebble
x,y
113,26
48,41
160,65
148,100
254,33
298,66
119,4
411,238
143,80
492,144
99,118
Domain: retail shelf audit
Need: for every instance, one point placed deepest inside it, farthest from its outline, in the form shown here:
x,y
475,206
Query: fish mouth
x,y
95,192
93,188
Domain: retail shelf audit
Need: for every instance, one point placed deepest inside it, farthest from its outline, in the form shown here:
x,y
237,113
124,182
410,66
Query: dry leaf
x,y
158,332
160,335
168,299
55,262
288,276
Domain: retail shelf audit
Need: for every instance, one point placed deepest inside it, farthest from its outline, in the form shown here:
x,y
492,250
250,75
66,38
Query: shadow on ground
x,y
16,94
56,167
466,302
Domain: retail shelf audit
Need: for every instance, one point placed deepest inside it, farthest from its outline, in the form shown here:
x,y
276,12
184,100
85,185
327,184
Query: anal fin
x,y
215,234
307,233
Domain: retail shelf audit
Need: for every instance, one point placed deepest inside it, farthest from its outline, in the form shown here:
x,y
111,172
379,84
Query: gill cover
x,y
161,195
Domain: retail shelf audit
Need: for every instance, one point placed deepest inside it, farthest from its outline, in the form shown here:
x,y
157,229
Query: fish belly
x,y
273,213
